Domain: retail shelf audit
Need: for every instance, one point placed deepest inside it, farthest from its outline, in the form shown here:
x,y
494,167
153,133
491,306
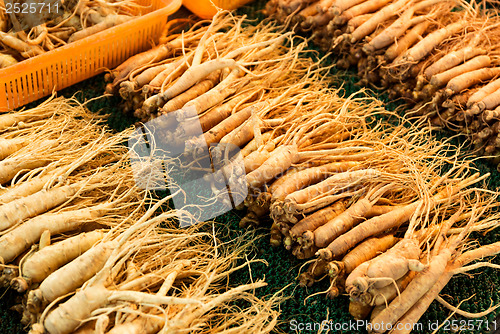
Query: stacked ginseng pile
x,y
440,56
334,181
161,280
73,222
342,211
72,21
63,183
202,68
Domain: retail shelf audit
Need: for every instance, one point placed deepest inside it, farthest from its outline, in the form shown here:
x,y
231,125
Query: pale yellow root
x,y
315,220
376,310
417,288
9,146
386,294
155,54
364,252
255,159
326,233
109,21
253,145
394,262
360,9
141,325
426,45
194,74
328,186
281,159
66,317
387,221
312,175
475,63
452,59
217,94
33,205
45,240
26,188
7,60
10,167
41,264
16,241
87,328
144,281
166,76
215,134
183,320
397,28
43,111
484,91
466,80
416,311
396,50
70,277
148,75
17,44
182,99
340,6
379,17
384,269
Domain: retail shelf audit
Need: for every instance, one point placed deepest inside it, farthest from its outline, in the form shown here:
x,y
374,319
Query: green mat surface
x,y
282,268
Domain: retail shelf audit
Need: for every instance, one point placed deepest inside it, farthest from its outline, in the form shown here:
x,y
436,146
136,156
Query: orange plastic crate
x,y
37,77
207,8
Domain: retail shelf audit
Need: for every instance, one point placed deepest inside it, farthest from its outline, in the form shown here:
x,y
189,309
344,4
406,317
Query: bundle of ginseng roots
x,y
159,279
308,155
215,70
64,182
343,210
73,20
73,222
439,56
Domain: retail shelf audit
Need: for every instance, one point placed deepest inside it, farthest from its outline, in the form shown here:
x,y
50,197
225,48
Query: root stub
x,y
19,284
